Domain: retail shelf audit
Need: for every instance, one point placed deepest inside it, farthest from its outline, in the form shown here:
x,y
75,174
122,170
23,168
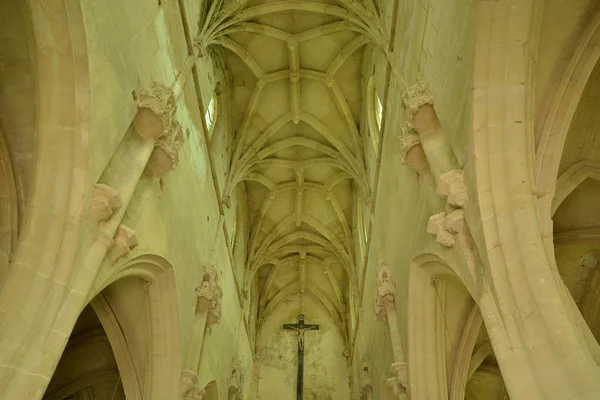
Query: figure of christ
x,y
300,333
300,328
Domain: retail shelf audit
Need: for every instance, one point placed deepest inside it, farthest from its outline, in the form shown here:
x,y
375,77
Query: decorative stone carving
x,y
125,241
235,380
451,186
398,382
189,386
415,97
105,203
589,260
444,226
396,385
400,370
366,382
386,290
209,296
408,140
156,108
165,156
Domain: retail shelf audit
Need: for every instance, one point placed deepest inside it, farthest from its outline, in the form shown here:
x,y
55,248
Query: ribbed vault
x,y
296,70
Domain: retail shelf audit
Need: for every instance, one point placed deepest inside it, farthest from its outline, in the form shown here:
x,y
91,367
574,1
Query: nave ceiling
x,y
298,103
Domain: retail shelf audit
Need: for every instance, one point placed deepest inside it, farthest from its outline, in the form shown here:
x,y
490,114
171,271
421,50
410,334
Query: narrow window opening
x,y
211,114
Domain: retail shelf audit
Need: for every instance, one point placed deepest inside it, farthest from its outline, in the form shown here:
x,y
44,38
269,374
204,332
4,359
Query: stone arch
x,y
162,363
52,225
427,361
444,326
556,120
211,391
9,217
88,366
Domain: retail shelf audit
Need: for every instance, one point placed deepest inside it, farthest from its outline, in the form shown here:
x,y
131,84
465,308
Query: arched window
x,y
374,114
211,114
378,109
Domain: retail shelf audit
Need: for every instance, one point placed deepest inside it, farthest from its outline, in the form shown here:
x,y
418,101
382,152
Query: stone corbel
x,y
189,383
396,386
400,370
415,97
209,296
445,226
105,203
366,382
451,186
195,393
125,241
412,153
156,108
235,380
165,155
589,260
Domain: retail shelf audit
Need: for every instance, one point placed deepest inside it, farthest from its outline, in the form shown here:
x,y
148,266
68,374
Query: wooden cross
x,y
300,327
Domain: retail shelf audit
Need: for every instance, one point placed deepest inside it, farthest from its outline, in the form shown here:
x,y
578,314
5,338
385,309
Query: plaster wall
x,y
325,367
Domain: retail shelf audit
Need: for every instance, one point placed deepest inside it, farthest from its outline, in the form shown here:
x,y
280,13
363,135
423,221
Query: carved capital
x,y
444,226
408,140
415,97
125,241
226,202
386,290
366,382
105,203
209,296
235,378
165,155
396,385
189,380
156,107
437,226
195,393
589,260
451,186
400,370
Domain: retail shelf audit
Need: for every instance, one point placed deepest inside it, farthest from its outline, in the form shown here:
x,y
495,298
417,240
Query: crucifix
x,y
300,328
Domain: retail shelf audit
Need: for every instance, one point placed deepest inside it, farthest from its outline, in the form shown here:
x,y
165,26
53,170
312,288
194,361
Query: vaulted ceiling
x,y
298,101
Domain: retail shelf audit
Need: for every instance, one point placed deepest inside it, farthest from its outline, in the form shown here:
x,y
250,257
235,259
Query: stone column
x,y
366,382
208,312
235,381
385,308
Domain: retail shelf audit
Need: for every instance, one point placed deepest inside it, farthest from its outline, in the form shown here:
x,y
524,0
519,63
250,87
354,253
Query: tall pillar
x,y
208,312
30,351
541,352
236,381
366,382
385,308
